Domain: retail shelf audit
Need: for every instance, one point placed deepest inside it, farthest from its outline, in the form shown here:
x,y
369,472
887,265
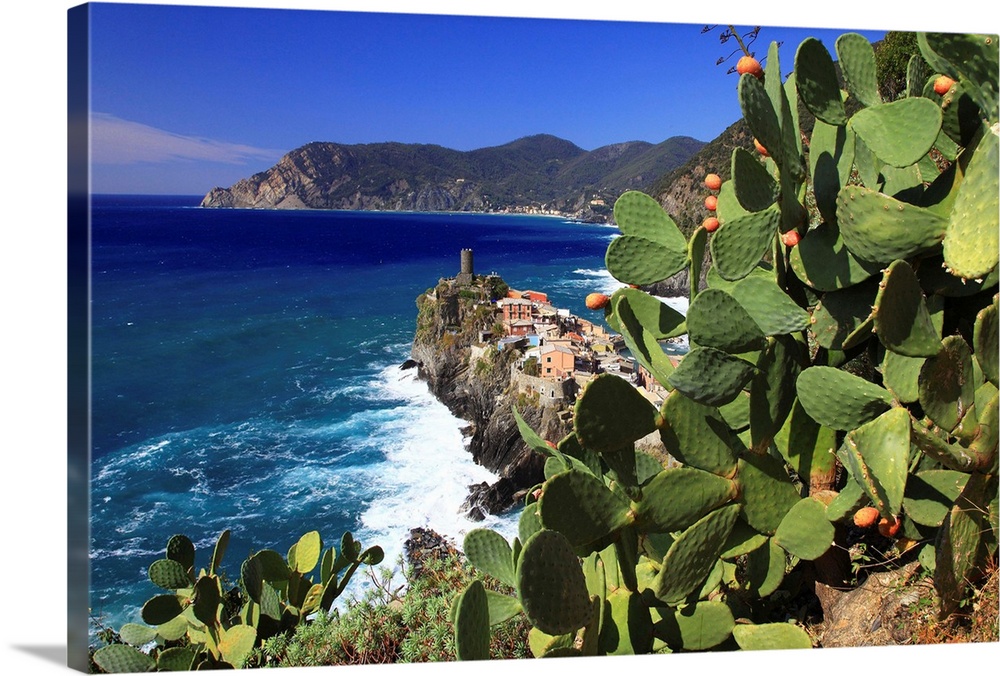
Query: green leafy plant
x,y
202,623
843,355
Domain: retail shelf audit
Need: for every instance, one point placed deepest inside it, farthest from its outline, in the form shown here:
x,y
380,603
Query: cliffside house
x,y
528,295
515,309
521,327
556,361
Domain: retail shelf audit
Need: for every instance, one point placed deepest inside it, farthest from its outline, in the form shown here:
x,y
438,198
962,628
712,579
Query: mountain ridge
x,y
541,173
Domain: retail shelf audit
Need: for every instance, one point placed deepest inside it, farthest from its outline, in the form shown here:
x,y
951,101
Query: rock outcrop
x,y
450,318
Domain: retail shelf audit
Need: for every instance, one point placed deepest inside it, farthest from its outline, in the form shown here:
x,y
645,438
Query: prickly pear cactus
x,y
844,355
197,626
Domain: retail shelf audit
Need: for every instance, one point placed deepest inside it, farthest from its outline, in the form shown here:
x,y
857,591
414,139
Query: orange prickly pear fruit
x,y
748,64
596,301
942,84
865,517
791,238
889,528
713,182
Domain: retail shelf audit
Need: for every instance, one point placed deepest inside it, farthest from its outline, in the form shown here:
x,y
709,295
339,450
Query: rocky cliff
x,y
450,318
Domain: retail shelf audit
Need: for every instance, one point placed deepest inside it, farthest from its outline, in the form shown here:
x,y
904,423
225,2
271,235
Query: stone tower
x,y
465,274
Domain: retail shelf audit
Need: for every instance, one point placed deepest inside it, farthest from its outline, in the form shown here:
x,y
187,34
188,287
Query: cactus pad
x,y
947,384
137,635
696,435
551,586
831,155
738,245
716,319
817,82
880,229
901,132
118,658
808,447
679,496
850,499
958,541
488,551
657,318
839,399
857,62
181,550
304,555
766,569
699,626
236,643
472,623
772,390
766,492
580,506
693,554
638,214
611,414
878,455
642,344
843,319
930,495
168,574
986,342
759,113
902,320
774,636
711,376
805,532
630,630
900,374
973,238
770,307
742,540
175,659
968,57
637,260
823,261
754,188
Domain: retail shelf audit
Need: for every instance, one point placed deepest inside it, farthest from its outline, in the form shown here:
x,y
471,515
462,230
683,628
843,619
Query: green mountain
x,y
540,174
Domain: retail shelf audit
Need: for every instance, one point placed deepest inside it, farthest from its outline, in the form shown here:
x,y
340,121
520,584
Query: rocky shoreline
x,y
447,327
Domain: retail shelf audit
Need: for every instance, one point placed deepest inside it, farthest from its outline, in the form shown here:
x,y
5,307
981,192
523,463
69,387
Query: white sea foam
x,y
426,472
599,280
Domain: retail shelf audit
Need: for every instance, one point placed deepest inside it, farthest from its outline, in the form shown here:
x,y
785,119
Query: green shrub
x,y
387,626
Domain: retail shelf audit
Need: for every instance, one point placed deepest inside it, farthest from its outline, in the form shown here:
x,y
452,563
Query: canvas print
x,y
405,338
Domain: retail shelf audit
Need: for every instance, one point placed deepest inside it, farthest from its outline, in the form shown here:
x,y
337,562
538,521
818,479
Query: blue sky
x,y
188,98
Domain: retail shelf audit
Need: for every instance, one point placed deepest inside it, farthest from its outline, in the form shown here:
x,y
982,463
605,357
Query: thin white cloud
x,y
118,141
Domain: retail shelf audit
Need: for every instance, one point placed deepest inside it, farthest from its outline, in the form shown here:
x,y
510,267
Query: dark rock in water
x,y
425,545
409,364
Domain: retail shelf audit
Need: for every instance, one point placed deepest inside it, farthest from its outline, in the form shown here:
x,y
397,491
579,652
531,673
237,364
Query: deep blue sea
x,y
245,372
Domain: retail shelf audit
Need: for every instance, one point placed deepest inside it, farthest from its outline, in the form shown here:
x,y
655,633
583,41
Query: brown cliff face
x,y
447,326
334,176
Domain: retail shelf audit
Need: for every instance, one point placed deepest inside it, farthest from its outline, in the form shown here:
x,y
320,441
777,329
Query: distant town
x,y
559,352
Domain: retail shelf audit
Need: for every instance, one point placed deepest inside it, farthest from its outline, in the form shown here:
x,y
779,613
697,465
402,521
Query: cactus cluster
x,y
843,357
197,623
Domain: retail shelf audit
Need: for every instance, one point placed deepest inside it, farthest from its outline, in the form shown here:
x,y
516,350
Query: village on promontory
x,y
485,348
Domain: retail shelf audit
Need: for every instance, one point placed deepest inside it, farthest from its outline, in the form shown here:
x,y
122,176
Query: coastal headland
x,y
485,348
